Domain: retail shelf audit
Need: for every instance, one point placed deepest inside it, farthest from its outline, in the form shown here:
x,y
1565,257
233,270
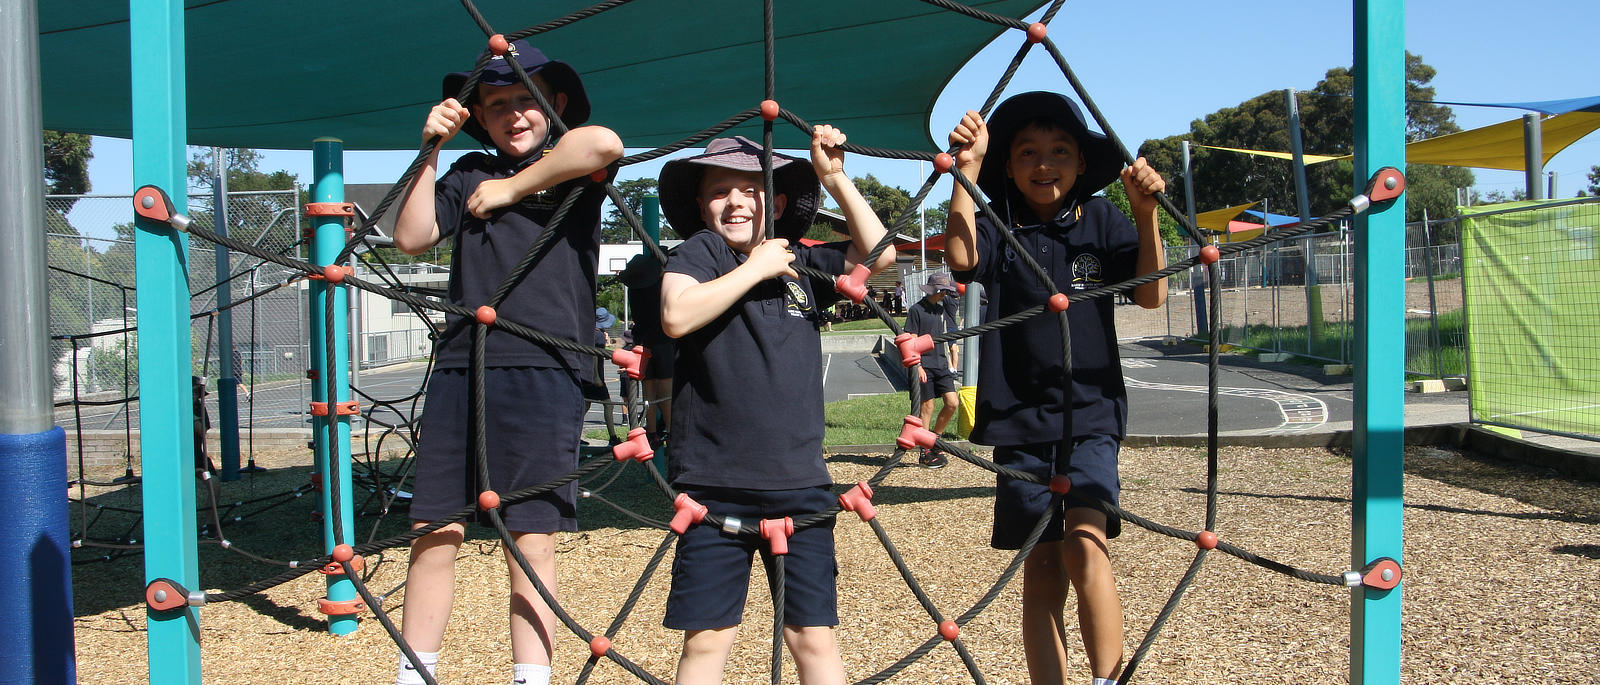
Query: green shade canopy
x,y
280,73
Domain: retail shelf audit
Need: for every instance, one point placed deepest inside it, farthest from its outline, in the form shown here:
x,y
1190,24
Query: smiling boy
x,y
1041,180
747,421
494,206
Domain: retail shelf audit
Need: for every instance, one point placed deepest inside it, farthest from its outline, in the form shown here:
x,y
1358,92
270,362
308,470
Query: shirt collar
x,y
1069,215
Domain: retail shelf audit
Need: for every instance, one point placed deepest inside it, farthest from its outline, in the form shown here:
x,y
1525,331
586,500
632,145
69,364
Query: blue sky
x,y
1154,67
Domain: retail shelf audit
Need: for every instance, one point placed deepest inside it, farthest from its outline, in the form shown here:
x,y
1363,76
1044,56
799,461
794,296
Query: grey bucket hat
x,y
679,185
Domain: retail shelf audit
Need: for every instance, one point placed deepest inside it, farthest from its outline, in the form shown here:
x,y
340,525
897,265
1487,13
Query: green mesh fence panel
x,y
1532,314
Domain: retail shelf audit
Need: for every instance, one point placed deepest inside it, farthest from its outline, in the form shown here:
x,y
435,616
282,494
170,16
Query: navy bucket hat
x,y
1103,160
679,186
498,72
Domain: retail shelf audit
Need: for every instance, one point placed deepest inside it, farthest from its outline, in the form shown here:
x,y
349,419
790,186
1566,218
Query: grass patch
x,y
871,420
864,325
1452,354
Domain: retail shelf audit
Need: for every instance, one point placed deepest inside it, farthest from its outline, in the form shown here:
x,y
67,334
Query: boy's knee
x,y
811,641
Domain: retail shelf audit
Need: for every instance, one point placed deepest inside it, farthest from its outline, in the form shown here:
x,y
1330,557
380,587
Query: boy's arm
x,y
688,304
960,233
416,228
1142,183
580,152
866,230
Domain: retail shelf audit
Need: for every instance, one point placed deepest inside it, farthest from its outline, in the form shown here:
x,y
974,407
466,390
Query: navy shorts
x,y
711,570
533,421
940,381
1018,504
661,360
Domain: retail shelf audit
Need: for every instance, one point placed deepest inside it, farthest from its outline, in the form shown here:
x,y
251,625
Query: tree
x,y
66,163
248,216
888,202
615,229
1594,180
1327,118
1171,234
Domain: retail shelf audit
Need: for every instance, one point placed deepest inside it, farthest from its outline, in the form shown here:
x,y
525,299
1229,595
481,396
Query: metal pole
x,y
1309,251
333,461
166,416
1533,154
227,377
37,600
922,222
1551,191
1202,325
1379,421
1435,340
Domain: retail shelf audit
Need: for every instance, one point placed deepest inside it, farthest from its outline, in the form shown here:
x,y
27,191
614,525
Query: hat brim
x,y
561,77
1104,161
679,190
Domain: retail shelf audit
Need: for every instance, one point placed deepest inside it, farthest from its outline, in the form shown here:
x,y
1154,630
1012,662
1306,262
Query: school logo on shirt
x,y
1086,272
796,304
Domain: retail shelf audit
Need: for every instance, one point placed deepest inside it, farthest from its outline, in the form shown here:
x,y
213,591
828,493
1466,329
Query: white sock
x,y
405,674
1105,681
531,674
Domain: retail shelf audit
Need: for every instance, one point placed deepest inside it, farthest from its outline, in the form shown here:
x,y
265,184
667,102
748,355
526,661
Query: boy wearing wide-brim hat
x,y
492,207
747,393
1040,166
928,316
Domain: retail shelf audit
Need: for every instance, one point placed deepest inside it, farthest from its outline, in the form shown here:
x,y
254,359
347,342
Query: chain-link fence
x,y
1297,296
94,311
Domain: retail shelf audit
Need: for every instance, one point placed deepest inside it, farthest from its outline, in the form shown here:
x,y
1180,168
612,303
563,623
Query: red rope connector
x,y
486,315
334,568
859,500
942,162
770,109
1382,574
777,532
165,594
599,645
346,408
1210,254
332,273
1059,302
913,434
688,512
498,44
1387,184
635,447
600,175
488,499
632,361
949,630
153,203
1037,32
1060,484
311,373
1206,540
912,347
854,284
344,607
330,209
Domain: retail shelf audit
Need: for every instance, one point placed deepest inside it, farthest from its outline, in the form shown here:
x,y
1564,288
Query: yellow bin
x,y
969,409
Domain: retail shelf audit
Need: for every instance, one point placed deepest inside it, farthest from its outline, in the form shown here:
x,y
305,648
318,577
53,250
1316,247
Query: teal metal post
x,y
332,461
652,228
1380,327
166,404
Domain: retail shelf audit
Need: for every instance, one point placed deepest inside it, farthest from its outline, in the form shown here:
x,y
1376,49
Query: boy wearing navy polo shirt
x,y
493,207
747,420
1042,168
930,316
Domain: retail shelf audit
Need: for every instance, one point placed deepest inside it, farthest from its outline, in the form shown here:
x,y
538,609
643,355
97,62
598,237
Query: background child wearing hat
x,y
747,421
494,206
1039,166
929,316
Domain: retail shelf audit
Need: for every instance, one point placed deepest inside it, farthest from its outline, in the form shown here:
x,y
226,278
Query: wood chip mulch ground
x,y
1502,581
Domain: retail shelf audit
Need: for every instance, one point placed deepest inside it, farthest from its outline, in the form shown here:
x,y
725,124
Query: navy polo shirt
x,y
555,298
1020,377
747,389
924,317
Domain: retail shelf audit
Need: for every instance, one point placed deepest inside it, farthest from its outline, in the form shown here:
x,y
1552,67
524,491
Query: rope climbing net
x,y
347,556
